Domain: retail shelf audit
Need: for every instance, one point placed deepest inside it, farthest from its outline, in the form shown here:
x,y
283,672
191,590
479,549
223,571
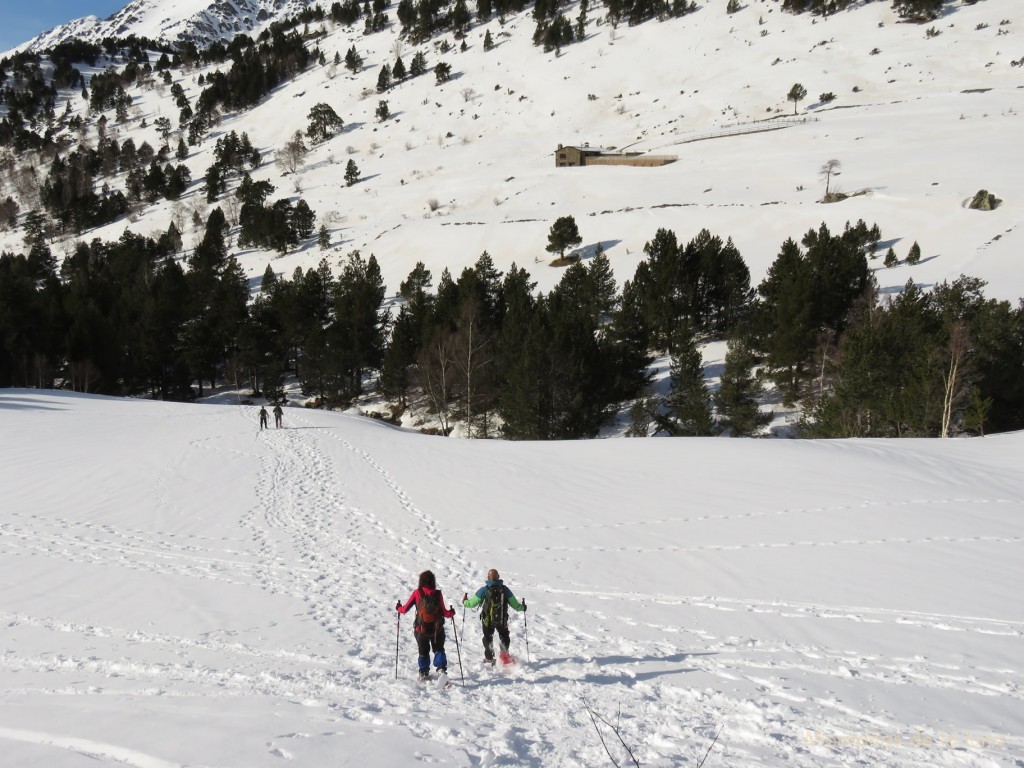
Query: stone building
x,y
588,155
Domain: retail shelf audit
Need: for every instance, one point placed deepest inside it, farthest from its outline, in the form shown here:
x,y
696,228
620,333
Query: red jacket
x,y
414,599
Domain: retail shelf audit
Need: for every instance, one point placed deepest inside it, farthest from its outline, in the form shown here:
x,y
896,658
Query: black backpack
x,y
494,611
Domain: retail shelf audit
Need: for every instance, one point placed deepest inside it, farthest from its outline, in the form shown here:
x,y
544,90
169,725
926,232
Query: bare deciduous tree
x,y
828,170
955,378
437,376
292,154
26,184
232,209
472,355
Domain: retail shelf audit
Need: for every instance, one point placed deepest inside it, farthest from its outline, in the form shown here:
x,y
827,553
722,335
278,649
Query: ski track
x,y
309,537
646,522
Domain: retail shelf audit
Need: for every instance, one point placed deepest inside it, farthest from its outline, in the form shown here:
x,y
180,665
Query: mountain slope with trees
x,y
301,203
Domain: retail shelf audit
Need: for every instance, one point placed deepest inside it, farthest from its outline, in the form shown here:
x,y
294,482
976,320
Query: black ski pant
x,y
503,637
424,644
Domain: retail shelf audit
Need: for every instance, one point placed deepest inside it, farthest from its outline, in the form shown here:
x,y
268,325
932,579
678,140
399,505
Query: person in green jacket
x,y
495,598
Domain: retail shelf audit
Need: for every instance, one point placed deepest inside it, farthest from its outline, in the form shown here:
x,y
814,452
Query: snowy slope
x,y
182,590
919,126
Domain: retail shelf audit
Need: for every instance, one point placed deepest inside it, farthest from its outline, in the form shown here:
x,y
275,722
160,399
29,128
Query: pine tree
x,y
353,61
737,397
323,122
525,405
688,401
488,40
323,238
415,286
785,319
396,375
564,234
459,18
351,173
603,288
796,94
891,260
302,220
418,65
919,10
215,183
914,256
359,321
398,71
384,79
269,279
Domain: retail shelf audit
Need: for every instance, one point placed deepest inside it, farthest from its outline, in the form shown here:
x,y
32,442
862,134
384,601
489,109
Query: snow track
x,y
229,600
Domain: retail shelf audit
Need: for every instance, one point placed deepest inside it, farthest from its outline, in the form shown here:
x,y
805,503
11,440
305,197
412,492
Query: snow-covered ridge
x,y
199,21
468,166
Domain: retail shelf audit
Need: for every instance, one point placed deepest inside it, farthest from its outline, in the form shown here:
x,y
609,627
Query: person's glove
x,y
398,605
465,597
524,606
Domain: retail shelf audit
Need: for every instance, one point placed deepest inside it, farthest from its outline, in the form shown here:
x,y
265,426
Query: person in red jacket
x,y
429,624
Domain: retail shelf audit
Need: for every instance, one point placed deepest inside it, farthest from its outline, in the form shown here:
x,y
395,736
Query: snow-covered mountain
x,y
920,120
198,21
921,117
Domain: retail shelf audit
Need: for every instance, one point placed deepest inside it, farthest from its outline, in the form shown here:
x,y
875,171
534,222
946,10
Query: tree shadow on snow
x,y
885,245
16,404
714,371
618,676
895,290
590,251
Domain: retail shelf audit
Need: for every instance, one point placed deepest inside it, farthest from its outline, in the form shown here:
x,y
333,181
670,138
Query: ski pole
x,y
465,597
398,631
526,634
462,672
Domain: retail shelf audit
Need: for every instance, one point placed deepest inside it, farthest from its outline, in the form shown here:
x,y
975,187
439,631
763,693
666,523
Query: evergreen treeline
x,y
486,349
920,364
638,11
915,10
256,69
924,364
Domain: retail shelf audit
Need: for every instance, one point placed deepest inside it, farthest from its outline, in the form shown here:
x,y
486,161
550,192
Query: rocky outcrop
x,y
984,201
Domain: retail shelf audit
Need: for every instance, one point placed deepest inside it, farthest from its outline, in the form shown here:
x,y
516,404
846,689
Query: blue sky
x,y
21,20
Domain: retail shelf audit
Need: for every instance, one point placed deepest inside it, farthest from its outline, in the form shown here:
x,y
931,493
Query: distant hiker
x,y
429,624
496,599
263,418
278,416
